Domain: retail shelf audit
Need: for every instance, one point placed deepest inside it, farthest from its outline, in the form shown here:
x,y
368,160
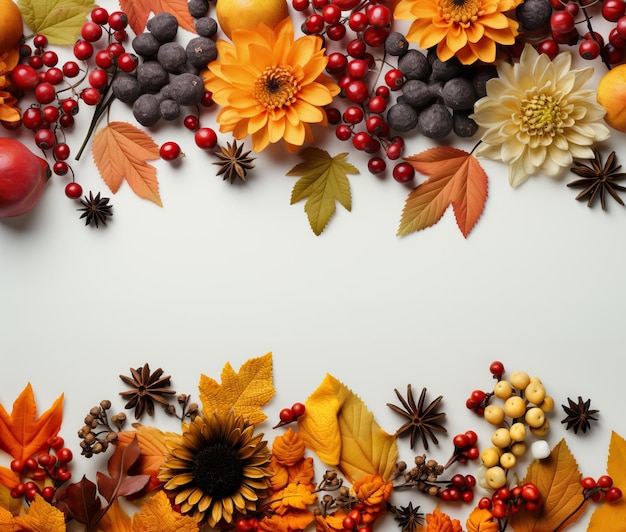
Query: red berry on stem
x,y
48,493
376,165
118,20
613,494
64,455
356,91
589,49
613,10
605,481
71,69
191,122
379,16
169,151
104,59
99,15
45,139
496,368
40,41
91,96
460,441
32,118
17,465
588,483
298,409
91,31
127,62
358,21
73,190
343,132
205,138
24,77
562,22
286,415
83,50
60,168
403,173
45,93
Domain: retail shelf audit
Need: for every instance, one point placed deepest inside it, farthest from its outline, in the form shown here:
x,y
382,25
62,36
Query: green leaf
x,y
59,20
323,182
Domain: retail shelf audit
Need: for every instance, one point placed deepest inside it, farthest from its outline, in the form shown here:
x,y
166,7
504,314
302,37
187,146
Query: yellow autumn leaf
x,y
289,448
558,480
481,520
7,521
41,516
609,513
297,496
59,20
292,520
12,504
115,519
157,514
244,392
339,428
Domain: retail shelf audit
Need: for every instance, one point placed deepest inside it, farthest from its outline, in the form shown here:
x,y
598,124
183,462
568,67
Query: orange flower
x,y
8,61
481,520
440,522
373,492
467,29
270,86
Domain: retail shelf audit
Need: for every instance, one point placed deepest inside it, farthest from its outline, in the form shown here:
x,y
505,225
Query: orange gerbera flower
x,y
270,86
467,29
8,61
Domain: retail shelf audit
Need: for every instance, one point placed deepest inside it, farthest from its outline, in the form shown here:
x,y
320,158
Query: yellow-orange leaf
x,y
120,151
292,521
297,496
22,434
138,12
157,514
302,472
288,448
608,514
481,520
8,479
12,504
115,519
245,392
41,516
455,177
558,480
339,428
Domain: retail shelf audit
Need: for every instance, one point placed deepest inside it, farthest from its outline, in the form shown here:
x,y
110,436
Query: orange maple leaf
x,y
455,177
22,434
120,151
41,516
139,12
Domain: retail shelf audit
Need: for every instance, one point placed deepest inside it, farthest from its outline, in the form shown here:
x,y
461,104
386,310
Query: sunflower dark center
x,y
218,470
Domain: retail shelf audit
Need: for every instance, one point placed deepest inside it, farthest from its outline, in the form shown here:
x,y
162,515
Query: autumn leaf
x,y
455,177
558,480
292,520
120,483
609,513
9,503
297,496
81,501
323,182
157,514
115,519
59,20
342,432
288,449
41,516
139,12
244,392
8,479
120,151
22,434
481,520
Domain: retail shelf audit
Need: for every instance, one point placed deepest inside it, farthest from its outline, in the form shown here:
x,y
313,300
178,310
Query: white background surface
x,y
223,273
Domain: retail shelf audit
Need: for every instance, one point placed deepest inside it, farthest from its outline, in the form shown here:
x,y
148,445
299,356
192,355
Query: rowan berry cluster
x,y
44,473
601,488
290,414
504,501
99,431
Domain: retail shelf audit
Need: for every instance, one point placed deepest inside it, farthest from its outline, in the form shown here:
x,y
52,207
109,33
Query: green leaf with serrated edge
x,y
324,182
59,20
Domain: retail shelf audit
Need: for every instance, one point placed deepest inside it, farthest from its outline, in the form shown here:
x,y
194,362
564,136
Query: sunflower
x,y
217,468
538,117
467,29
8,61
270,86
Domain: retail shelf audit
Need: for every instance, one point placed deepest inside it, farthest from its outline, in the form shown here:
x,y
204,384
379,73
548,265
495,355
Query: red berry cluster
x,y
507,501
247,525
34,471
204,137
461,488
353,522
289,415
465,447
603,487
477,401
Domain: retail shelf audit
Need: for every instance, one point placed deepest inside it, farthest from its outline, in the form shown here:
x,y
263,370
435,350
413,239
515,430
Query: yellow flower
x,y
217,468
481,520
440,522
8,61
270,86
538,117
467,29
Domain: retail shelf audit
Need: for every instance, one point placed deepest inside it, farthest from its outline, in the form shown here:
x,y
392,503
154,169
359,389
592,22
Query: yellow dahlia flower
x,y
467,29
270,86
217,468
8,61
538,117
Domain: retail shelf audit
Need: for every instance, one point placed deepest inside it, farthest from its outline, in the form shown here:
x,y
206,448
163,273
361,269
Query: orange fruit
x,y
612,96
11,25
247,14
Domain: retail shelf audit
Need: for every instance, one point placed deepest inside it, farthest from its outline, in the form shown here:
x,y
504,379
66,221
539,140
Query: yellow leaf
x,y
115,519
297,496
610,513
120,151
323,182
9,503
59,20
558,480
342,432
157,514
244,392
481,520
288,449
292,521
41,516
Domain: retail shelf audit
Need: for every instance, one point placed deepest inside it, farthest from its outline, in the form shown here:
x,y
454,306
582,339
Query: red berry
x,y
376,165
588,483
356,48
83,50
54,76
50,114
91,31
300,5
115,49
48,493
298,409
562,22
337,63
472,453
286,415
496,368
605,481
56,442
348,523
333,115
530,492
69,106
336,32
613,10
467,495
24,77
71,69
616,39
118,20
314,24
589,49
357,69
612,54
73,190
31,493
99,15
549,47
470,481
64,455
613,494
377,126
343,132
361,141
394,79
379,16
49,58
32,118
356,91
393,151
45,93
460,441
358,21
66,121
17,465
60,168
104,59
91,96
40,41
403,173
45,139
61,152
127,62
120,35
375,36
472,437
356,515
458,481
191,122
98,78
331,14
621,27
31,463
205,138
353,115
169,151
207,99
499,510
484,503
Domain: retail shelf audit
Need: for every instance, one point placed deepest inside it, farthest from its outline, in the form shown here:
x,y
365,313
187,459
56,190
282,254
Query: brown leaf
x,y
81,501
455,177
558,480
120,151
139,12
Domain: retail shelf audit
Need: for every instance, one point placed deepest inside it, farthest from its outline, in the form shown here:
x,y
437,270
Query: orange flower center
x,y
541,115
460,11
276,87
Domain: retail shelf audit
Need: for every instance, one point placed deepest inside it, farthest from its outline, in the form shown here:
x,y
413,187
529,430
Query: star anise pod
x,y
147,387
598,179
95,210
234,163
579,415
409,519
423,421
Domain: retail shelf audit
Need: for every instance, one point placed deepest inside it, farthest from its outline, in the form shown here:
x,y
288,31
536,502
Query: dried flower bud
x,y
431,464
97,447
111,437
118,419
330,475
401,466
344,491
420,460
193,408
89,419
327,499
431,478
433,491
83,431
95,411
439,469
90,437
84,445
170,410
87,453
182,398
105,404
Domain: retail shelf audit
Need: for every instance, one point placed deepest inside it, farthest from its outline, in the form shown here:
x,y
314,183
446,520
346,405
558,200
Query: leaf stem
x,y
104,104
572,513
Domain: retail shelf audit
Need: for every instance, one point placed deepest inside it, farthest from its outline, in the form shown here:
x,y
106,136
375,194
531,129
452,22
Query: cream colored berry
x,y
490,456
495,477
535,417
542,430
494,414
535,392
540,449
515,407
519,448
508,460
503,389
501,438
519,379
547,404
518,431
